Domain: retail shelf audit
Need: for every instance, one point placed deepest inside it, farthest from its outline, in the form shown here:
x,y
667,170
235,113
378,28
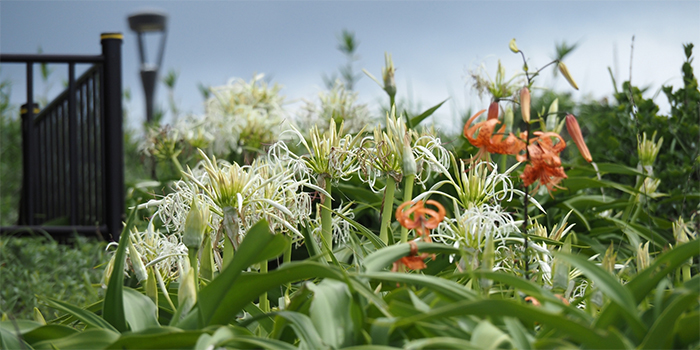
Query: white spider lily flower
x,y
340,228
472,227
332,155
338,105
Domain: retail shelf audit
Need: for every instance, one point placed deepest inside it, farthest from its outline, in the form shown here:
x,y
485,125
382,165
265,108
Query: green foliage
x,y
10,158
31,266
613,129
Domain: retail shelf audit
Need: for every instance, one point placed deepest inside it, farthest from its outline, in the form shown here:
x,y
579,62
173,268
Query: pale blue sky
x,y
433,43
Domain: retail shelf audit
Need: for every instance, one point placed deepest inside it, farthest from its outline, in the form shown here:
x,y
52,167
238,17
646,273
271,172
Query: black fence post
x,y
27,205
113,133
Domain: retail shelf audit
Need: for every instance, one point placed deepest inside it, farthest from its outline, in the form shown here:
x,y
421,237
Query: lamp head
x,y
148,21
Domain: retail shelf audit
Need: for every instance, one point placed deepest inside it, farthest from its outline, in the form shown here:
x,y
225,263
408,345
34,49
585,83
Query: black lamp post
x,y
149,22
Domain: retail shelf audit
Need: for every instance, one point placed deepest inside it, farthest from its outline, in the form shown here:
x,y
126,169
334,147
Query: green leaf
x,y
382,258
251,285
589,337
258,245
518,333
647,279
488,336
639,230
270,344
265,321
140,311
419,118
89,339
304,329
661,332
440,343
611,168
48,332
330,312
10,340
19,326
157,338
87,317
610,287
113,306
450,290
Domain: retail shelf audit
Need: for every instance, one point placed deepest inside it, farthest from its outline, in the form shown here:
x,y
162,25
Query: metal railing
x,y
72,150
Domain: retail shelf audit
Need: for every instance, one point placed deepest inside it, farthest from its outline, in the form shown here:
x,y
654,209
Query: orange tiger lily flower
x,y
482,135
424,219
545,164
413,261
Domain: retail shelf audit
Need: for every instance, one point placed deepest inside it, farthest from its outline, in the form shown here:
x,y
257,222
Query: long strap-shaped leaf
x,y
610,287
384,257
646,280
589,337
113,306
87,317
258,245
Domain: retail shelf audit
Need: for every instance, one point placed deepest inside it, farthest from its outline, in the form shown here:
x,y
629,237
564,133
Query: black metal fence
x,y
72,150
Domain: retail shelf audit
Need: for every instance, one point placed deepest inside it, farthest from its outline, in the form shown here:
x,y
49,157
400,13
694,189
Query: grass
x,y
31,266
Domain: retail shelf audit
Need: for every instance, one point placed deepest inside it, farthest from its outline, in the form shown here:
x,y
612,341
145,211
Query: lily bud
x,y
575,132
525,104
409,161
493,111
195,225
513,47
565,72
388,75
137,263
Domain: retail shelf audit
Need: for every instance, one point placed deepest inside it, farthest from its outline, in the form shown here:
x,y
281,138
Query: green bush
x,y
31,266
613,130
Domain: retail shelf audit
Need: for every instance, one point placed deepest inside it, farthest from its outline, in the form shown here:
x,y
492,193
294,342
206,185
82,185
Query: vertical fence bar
x,y
73,145
113,134
28,145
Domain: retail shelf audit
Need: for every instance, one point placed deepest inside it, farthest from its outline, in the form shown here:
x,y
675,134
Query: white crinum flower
x,y
476,223
243,115
340,227
331,155
386,153
339,105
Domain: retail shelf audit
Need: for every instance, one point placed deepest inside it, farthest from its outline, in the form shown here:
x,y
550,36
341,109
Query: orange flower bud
x,y
525,104
575,132
493,111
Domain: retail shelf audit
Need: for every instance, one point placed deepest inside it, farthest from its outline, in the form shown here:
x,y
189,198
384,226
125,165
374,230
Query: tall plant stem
x,y
327,221
264,303
526,202
177,164
407,196
387,209
194,265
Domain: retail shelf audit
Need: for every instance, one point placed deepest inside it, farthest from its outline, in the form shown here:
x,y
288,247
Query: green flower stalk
x,y
331,158
409,171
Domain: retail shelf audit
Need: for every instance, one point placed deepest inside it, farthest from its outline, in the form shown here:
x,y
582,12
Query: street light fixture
x,y
151,21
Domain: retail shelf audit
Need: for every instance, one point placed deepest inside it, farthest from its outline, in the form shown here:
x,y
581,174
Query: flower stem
x,y
264,303
407,196
526,202
327,221
387,209
177,165
193,265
